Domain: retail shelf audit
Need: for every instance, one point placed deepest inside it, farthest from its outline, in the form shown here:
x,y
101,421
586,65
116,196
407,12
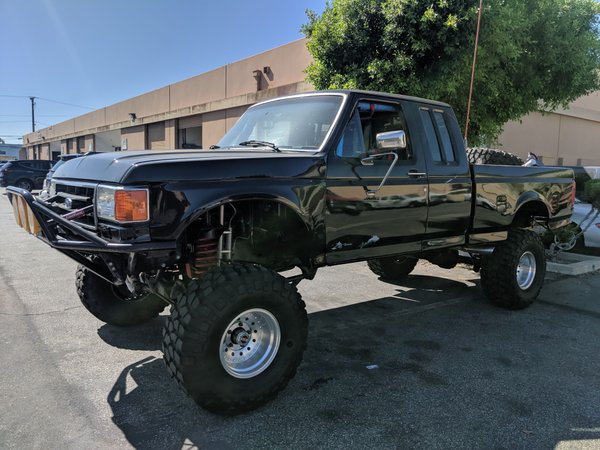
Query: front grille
x,y
70,197
79,190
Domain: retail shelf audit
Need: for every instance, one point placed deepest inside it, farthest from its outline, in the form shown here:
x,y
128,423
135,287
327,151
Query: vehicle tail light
x,y
131,206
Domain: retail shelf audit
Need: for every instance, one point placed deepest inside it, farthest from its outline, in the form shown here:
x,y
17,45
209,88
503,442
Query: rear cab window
x,y
437,135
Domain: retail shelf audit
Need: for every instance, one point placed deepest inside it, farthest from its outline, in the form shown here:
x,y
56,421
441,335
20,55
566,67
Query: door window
x,y
368,120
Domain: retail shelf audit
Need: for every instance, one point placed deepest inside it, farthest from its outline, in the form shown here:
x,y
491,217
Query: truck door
x,y
450,184
367,213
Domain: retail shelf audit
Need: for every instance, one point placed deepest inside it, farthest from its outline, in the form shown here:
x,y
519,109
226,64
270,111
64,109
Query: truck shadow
x,y
429,283
418,288
417,369
146,336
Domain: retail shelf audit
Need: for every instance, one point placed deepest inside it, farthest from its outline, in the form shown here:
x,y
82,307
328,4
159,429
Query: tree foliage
x,y
534,54
592,193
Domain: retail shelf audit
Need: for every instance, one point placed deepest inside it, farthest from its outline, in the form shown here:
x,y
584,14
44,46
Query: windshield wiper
x,y
254,143
212,147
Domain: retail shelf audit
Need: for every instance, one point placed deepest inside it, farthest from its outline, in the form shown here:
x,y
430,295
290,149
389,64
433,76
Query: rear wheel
x,y
107,303
393,267
513,275
235,338
25,184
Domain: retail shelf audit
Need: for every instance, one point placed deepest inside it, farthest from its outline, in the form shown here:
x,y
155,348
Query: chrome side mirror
x,y
391,140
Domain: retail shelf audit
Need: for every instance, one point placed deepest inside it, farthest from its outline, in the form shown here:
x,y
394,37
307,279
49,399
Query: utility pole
x,y
32,113
473,69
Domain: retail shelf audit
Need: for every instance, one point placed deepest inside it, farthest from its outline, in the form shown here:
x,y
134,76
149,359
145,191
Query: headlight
x,y
52,190
122,204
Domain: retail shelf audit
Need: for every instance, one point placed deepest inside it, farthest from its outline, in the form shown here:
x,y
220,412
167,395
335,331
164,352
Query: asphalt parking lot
x,y
451,370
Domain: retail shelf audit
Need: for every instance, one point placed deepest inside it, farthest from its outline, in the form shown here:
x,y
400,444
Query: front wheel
x,y
107,303
513,275
25,184
235,338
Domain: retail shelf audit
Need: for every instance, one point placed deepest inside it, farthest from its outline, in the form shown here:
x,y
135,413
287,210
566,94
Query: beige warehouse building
x,y
195,113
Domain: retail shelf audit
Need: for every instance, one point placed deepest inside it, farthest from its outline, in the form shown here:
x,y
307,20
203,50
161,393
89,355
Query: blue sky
x,y
96,53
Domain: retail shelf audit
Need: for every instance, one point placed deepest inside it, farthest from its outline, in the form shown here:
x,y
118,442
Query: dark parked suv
x,y
61,160
26,174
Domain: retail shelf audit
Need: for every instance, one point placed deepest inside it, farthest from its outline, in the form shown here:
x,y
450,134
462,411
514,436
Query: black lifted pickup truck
x,y
299,183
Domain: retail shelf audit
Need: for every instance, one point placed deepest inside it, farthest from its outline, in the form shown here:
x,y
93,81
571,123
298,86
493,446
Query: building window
x,y
190,137
80,144
189,132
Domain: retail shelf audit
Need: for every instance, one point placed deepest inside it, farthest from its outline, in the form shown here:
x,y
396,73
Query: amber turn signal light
x,y
131,206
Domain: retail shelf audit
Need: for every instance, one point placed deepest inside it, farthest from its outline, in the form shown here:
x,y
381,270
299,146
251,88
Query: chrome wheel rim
x,y
526,270
250,343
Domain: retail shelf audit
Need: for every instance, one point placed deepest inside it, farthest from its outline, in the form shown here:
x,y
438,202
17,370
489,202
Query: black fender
x,y
532,200
179,204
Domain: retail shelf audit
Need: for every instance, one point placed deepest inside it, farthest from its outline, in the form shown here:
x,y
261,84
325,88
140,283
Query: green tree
x,y
532,55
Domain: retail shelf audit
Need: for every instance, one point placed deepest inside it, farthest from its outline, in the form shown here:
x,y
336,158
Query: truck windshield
x,y
298,123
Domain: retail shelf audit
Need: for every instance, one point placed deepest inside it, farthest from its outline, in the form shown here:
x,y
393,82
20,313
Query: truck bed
x,y
501,191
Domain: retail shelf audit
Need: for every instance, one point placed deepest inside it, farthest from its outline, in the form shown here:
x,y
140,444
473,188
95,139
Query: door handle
x,y
413,173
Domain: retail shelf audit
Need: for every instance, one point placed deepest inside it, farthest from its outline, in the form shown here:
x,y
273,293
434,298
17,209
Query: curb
x,y
573,264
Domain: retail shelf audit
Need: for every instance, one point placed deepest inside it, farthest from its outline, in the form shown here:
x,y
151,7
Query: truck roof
x,y
363,92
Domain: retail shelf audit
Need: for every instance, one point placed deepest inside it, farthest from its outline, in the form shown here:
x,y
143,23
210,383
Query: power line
x,y
63,103
47,100
38,115
33,99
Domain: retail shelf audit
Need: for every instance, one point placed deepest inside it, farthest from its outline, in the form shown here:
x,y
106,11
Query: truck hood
x,y
150,166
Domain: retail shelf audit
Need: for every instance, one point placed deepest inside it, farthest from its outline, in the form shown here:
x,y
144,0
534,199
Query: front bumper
x,y
36,217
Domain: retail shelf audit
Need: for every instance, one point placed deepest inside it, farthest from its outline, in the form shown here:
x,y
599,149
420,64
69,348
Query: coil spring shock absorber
x,y
209,250
205,251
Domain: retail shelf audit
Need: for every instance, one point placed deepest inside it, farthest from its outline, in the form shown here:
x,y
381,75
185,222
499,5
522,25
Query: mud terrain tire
x,y
109,305
513,275
492,156
25,183
235,338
